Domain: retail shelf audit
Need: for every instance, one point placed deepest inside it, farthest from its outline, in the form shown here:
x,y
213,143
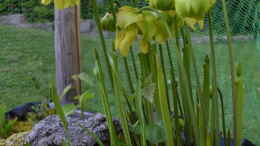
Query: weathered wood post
x,y
67,47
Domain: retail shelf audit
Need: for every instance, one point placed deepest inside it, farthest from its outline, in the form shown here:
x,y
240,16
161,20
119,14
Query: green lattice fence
x,y
242,14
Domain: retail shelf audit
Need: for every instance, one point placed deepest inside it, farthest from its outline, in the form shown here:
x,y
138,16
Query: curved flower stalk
x,y
108,22
193,11
62,4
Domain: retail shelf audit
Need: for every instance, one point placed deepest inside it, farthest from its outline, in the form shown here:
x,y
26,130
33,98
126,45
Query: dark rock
x,y
245,142
49,131
20,113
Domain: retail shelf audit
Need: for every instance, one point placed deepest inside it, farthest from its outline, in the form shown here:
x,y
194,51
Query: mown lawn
x,y
27,69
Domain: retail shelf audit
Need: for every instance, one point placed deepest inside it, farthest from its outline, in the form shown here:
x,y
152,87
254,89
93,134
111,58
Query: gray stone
x,y
50,132
88,26
42,26
45,26
14,19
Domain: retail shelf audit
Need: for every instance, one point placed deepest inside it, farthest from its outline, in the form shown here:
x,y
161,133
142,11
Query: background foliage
x,y
32,9
36,12
243,13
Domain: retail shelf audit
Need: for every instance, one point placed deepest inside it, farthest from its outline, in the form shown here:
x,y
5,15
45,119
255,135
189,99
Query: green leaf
x,y
85,78
84,98
149,91
65,91
69,108
136,128
58,107
154,133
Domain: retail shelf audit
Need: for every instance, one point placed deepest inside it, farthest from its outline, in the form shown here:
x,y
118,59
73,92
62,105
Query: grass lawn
x,y
27,68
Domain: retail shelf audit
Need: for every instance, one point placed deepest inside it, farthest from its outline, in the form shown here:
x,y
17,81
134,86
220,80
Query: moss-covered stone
x,y
21,126
2,142
18,139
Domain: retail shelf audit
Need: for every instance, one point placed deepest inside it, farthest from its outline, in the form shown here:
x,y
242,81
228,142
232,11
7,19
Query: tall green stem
x,y
164,73
188,58
231,63
134,63
174,82
112,8
176,100
119,94
189,49
101,37
189,113
214,80
131,86
140,113
104,98
223,117
164,105
133,3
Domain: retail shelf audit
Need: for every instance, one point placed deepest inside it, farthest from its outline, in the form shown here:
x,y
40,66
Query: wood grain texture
x,y
67,48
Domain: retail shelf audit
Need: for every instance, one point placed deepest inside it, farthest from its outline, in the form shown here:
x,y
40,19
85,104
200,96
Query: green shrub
x,y
10,6
36,12
32,9
5,125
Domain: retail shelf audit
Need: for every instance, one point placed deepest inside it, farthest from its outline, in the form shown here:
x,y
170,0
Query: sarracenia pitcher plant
x,y
175,105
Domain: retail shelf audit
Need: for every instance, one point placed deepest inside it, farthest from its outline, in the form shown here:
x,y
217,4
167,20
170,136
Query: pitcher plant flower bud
x,y
108,22
193,11
46,2
162,4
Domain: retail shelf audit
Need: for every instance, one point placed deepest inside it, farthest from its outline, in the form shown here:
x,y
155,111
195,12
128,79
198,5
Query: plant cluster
x,y
157,107
6,126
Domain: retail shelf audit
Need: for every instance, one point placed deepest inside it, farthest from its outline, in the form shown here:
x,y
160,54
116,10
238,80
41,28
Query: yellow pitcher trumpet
x,y
150,25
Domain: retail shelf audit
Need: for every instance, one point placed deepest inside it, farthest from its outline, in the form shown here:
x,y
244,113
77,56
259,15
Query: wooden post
x,y
67,47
